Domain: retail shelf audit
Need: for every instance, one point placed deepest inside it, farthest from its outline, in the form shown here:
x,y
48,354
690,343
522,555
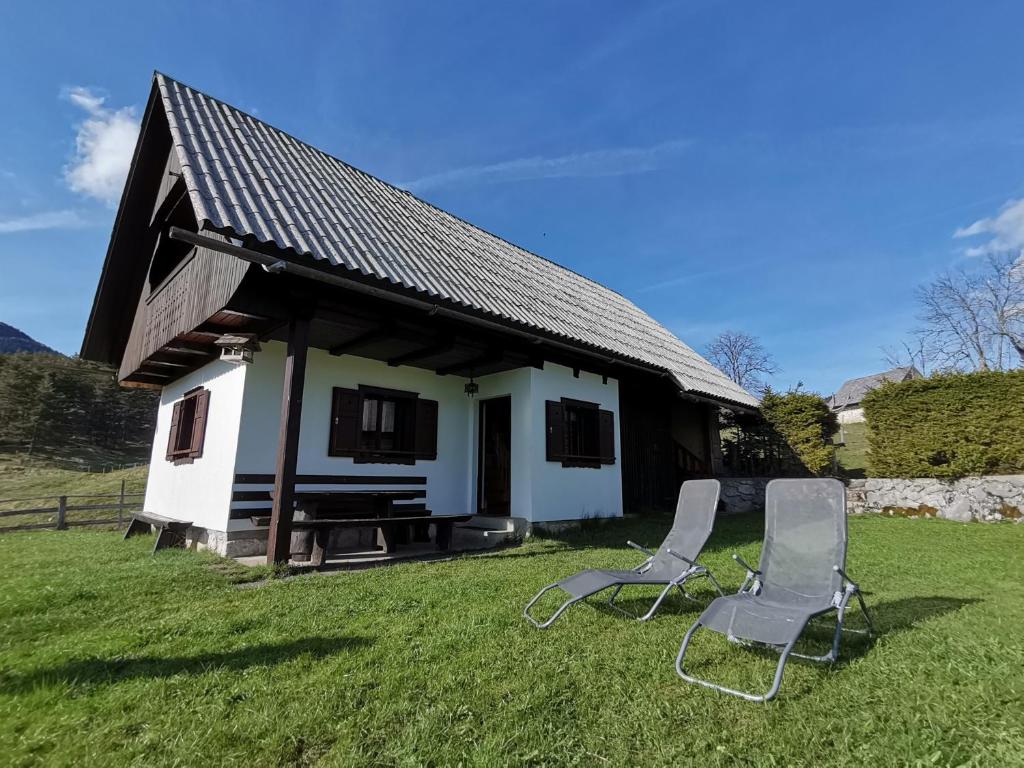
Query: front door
x,y
494,486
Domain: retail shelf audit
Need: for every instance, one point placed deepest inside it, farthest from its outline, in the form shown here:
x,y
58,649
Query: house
x,y
846,402
306,322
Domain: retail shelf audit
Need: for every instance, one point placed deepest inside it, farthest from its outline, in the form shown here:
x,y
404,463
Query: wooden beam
x,y
493,356
182,347
154,360
423,352
243,315
374,334
135,384
156,376
279,540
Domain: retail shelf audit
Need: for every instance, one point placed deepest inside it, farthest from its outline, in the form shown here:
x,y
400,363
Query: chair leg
x,y
713,580
770,694
657,603
867,615
653,609
561,609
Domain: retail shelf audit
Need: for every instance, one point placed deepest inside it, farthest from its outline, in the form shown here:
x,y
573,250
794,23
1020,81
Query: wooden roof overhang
x,y
353,314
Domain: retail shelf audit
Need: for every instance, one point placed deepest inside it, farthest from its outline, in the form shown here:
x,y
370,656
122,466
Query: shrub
x,y
947,426
806,423
790,436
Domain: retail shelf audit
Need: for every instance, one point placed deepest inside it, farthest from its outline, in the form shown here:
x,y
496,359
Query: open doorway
x,y
494,475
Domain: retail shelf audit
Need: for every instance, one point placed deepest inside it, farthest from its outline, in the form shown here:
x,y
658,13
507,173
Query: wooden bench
x,y
389,527
169,532
247,501
252,497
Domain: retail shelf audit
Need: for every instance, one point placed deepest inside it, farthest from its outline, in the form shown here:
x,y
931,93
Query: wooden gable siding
x,y
202,286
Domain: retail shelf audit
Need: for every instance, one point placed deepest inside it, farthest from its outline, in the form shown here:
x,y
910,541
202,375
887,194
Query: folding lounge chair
x,y
672,565
800,577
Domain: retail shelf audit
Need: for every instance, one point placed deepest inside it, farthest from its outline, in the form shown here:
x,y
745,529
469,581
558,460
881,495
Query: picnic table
x,y
320,512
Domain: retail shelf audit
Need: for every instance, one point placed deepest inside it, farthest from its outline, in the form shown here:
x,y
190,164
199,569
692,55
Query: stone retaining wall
x,y
987,499
992,498
742,494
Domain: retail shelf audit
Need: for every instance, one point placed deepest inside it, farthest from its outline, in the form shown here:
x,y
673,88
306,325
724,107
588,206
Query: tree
x,y
790,436
742,358
973,319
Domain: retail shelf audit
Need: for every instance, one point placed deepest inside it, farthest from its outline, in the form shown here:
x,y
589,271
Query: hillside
x,y
72,413
15,340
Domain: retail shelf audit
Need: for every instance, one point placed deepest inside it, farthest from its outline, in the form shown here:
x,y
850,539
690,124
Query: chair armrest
x,y
684,559
744,564
636,546
849,581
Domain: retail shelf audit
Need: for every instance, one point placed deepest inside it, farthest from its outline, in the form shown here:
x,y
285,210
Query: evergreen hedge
x,y
789,436
806,423
947,426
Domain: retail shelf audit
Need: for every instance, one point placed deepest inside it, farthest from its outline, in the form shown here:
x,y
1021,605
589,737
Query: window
x,y
375,425
579,434
188,427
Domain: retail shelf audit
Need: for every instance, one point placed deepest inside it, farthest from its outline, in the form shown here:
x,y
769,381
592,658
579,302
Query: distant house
x,y
846,403
308,323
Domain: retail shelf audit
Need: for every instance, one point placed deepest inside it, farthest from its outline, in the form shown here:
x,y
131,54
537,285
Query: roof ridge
x,y
335,158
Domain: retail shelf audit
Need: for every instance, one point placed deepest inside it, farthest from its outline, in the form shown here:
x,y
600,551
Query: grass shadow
x,y
891,618
731,532
114,670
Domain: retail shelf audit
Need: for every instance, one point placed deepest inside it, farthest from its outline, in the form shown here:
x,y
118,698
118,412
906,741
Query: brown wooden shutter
x,y
199,424
606,436
426,429
555,430
346,415
172,437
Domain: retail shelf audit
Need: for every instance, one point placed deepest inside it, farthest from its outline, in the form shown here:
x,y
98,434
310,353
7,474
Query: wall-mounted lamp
x,y
238,348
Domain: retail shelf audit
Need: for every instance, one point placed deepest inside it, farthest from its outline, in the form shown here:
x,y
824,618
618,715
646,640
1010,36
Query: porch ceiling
x,y
444,350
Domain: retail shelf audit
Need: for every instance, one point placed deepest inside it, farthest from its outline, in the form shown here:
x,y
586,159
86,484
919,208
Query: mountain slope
x,y
14,340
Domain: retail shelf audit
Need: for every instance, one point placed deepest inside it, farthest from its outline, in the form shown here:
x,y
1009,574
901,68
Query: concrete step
x,y
483,532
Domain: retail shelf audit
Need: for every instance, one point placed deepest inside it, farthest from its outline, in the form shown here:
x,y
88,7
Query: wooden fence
x,y
123,503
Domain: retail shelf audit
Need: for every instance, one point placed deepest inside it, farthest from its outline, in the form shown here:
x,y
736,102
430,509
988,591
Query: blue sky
x,y
790,170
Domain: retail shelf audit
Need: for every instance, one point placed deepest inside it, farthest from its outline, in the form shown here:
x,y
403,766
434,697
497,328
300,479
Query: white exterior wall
x,y
516,384
201,491
851,416
243,425
261,414
570,493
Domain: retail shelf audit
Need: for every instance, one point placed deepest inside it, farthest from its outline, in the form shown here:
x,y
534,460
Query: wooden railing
x,y
123,503
689,464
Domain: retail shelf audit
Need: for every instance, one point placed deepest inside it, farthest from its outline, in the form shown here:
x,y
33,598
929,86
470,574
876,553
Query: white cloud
x,y
1006,231
46,220
103,147
601,162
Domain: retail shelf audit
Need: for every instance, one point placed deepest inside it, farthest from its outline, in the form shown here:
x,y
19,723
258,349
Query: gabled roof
x,y
248,179
853,391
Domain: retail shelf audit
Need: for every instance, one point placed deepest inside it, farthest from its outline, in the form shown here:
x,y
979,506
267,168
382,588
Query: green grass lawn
x,y
853,457
35,484
109,656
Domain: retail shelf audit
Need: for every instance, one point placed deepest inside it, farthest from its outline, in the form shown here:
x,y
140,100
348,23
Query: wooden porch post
x,y
279,541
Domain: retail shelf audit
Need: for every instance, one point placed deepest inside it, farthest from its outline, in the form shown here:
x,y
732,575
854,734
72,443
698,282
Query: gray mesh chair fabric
x,y
801,575
672,565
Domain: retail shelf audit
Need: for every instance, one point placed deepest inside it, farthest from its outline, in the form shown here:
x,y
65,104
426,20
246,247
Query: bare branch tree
x,y
1004,299
742,358
913,352
974,320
